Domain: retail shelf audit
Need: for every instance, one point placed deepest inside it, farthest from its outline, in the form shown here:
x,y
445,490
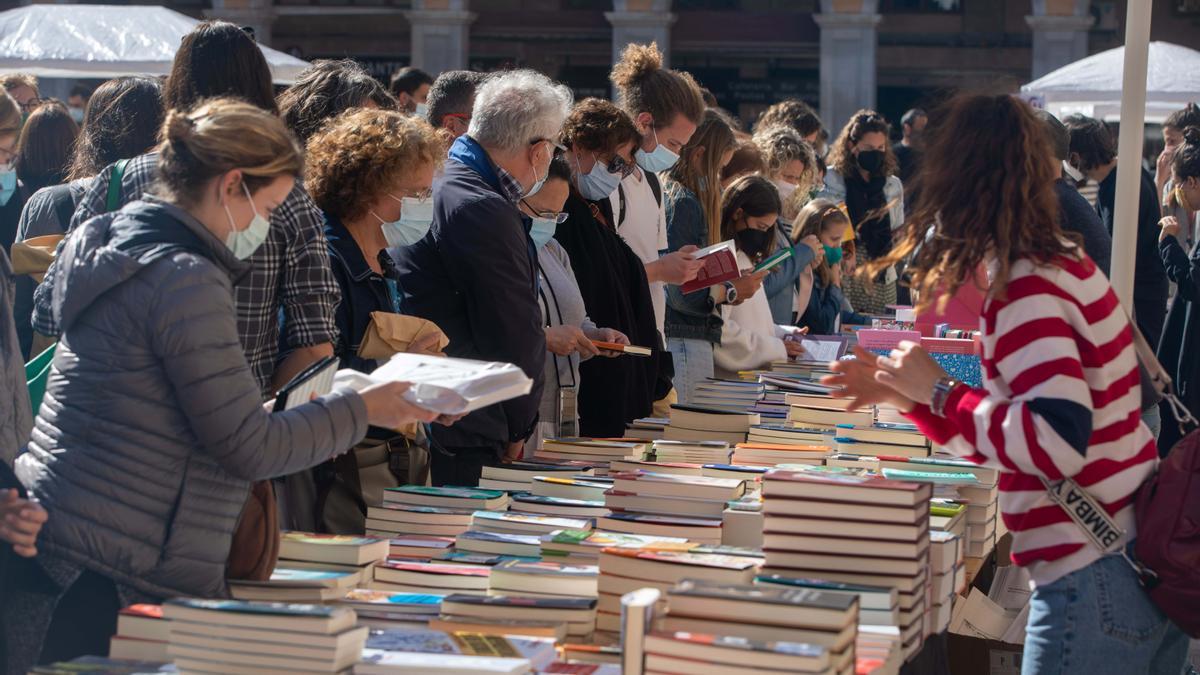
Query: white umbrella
x,y
1092,86
103,41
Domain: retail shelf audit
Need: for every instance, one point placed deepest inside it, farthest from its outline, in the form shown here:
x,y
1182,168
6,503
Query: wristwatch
x,y
941,392
730,293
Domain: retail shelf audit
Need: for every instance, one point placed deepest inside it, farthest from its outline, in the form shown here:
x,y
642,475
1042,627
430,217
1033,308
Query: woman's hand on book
x,y
566,340
387,407
858,381
610,335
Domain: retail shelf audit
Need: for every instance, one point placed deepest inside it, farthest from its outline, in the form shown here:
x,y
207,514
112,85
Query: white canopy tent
x,y
1092,86
103,41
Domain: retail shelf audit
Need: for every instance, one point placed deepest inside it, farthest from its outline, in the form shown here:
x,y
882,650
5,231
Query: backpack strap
x,y
113,201
655,187
620,219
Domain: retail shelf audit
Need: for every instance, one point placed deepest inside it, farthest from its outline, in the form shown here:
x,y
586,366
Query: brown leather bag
x,y
255,547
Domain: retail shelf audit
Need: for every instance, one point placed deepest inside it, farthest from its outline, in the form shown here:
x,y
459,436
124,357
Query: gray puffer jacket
x,y
153,427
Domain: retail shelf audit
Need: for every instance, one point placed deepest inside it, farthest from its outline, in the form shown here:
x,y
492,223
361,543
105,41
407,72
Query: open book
x,y
720,265
445,385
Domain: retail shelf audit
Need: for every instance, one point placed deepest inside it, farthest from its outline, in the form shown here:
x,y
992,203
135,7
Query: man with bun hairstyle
x,y
666,107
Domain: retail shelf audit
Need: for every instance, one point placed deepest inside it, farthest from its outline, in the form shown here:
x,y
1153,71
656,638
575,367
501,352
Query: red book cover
x,y
147,611
720,265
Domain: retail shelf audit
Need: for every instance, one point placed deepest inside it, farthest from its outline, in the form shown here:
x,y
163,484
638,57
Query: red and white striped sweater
x,y
1061,397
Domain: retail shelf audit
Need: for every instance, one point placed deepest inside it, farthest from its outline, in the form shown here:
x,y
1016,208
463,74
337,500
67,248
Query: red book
x,y
720,265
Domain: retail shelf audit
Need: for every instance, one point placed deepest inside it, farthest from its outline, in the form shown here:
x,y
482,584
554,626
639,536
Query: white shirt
x,y
750,339
645,230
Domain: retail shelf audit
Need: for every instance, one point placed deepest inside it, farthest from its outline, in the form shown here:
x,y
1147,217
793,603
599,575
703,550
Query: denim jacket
x,y
693,315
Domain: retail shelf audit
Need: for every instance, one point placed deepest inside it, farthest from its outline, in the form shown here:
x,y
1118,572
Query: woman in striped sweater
x,y
1061,390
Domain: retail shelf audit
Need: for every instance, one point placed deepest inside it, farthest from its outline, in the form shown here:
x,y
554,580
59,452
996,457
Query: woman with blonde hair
x,y
153,427
862,174
693,202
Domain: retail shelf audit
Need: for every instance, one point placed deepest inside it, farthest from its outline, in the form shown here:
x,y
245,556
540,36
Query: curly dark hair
x,y
792,113
861,123
360,155
599,126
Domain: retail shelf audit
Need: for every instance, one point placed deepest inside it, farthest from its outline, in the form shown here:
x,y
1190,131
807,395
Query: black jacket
x,y
1077,215
475,276
1181,336
1149,279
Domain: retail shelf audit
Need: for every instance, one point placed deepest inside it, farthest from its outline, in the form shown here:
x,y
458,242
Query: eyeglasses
x,y
31,104
558,218
558,148
419,195
618,165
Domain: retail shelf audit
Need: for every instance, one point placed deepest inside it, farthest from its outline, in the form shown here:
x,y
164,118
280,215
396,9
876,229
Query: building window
x,y
925,6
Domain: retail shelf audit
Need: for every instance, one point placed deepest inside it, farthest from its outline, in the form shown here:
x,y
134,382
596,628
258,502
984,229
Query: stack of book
x,y
984,524
813,416
624,570
232,636
390,651
449,497
499,543
946,569
686,652
647,428
726,394
881,439
742,522
664,494
580,547
877,605
332,552
596,452
142,634
774,454
508,614
524,502
518,476
395,520
516,522
386,610
544,579
420,548
586,488
298,585
852,529
693,452
438,578
695,423
765,613
679,468
751,475
786,434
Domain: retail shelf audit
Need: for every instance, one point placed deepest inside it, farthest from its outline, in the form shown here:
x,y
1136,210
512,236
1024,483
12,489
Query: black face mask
x,y
752,242
870,160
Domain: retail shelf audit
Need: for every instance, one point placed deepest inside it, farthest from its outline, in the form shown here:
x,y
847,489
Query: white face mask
x,y
785,189
661,159
1072,172
416,215
422,110
243,243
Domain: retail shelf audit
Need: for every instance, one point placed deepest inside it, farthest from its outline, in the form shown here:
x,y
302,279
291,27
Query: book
x,y
847,488
674,566
296,585
384,662
568,488
418,547
858,529
420,515
790,435
410,603
765,604
451,497
883,433
209,643
312,382
541,652
679,433
300,618
142,622
678,469
637,617
869,597
523,472
911,567
841,545
554,630
449,386
526,523
590,544
572,508
816,401
822,349
331,548
853,447
576,655
702,530
843,511
499,543
629,502
774,259
566,609
632,350
133,649
828,417
720,265
436,575
671,485
752,474
726,651
513,578
711,419
905,583
837,642
612,449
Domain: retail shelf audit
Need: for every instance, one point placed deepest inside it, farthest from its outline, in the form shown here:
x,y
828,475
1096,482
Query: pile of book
x,y
142,634
525,502
857,529
697,423
947,577
396,520
692,452
559,617
298,585
815,411
449,497
664,504
757,453
432,577
826,622
233,636
315,568
647,428
787,434
423,650
726,394
518,476
881,439
592,451
624,570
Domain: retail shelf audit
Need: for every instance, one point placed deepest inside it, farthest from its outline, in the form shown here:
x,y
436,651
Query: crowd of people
x,y
186,246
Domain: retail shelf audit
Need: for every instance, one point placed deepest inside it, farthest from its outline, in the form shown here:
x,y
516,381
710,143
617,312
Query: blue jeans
x,y
693,365
1097,621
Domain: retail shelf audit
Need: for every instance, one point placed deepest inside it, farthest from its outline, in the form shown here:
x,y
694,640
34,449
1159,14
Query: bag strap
x,y
655,187
1160,379
113,201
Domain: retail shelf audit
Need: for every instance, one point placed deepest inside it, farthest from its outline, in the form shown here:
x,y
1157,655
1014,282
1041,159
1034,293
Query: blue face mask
x,y
833,254
416,215
542,231
661,159
8,184
598,183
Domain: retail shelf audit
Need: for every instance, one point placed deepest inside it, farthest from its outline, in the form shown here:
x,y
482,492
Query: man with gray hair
x,y
475,272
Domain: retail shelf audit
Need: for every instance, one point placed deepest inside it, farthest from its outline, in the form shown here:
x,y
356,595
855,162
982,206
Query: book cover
x,y
558,501
552,522
665,520
843,479
475,559
422,542
773,260
522,601
777,595
745,644
739,468
500,538
302,578
685,558
363,596
326,539
252,607
147,611
447,492
720,265
601,540
435,568
549,569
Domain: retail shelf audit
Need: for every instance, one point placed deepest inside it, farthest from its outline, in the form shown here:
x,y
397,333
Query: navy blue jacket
x,y
363,292
475,275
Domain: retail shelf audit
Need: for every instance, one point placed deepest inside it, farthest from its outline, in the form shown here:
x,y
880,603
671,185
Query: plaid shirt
x,y
290,271
509,185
